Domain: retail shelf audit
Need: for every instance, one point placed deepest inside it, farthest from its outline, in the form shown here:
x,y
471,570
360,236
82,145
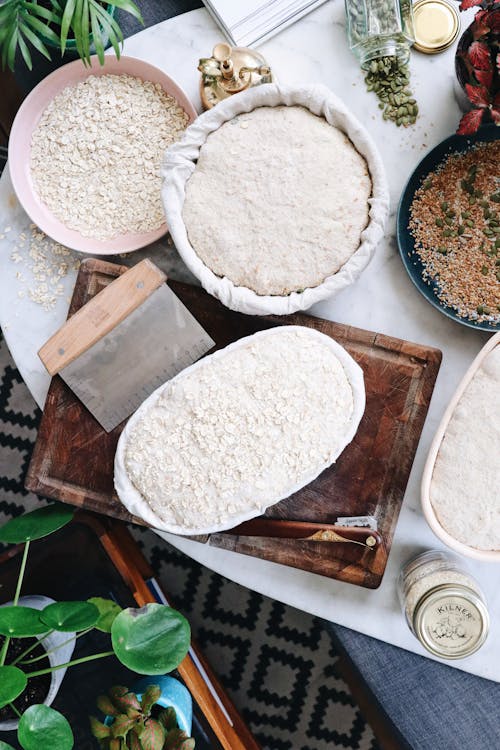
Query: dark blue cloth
x,y
431,705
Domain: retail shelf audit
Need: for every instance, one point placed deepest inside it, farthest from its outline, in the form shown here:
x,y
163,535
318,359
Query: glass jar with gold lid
x,y
443,605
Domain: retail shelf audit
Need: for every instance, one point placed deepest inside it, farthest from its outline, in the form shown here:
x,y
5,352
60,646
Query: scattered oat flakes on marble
x,y
97,150
45,264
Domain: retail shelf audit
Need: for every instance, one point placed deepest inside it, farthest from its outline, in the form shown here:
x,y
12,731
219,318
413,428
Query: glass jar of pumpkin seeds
x,y
443,605
380,29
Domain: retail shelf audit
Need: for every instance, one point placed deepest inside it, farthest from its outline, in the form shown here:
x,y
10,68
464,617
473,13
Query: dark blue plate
x,y
406,244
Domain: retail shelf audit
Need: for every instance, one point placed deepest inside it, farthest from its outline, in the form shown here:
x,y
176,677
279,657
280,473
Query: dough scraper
x,y
125,342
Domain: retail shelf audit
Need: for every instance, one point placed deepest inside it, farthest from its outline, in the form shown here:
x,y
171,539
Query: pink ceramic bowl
x,y
429,512
20,145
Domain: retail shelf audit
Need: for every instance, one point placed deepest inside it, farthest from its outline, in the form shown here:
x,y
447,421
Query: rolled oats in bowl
x,y
96,154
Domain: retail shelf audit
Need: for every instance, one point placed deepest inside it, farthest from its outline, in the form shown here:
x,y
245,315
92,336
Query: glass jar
x,y
443,605
380,28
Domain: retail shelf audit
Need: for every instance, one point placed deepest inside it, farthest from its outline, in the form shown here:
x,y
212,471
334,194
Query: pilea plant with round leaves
x,y
151,640
478,65
135,724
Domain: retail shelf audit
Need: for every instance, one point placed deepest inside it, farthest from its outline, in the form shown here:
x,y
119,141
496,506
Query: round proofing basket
x,y
429,512
180,163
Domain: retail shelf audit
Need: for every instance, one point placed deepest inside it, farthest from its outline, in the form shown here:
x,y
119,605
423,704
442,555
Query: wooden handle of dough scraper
x,y
100,315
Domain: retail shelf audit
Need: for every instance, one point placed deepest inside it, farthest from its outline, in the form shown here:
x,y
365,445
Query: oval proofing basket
x,y
429,512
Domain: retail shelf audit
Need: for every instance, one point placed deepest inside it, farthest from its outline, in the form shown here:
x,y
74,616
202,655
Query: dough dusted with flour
x,y
242,428
278,200
465,484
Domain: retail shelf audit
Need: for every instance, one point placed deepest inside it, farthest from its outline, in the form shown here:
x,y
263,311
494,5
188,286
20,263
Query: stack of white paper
x,y
250,22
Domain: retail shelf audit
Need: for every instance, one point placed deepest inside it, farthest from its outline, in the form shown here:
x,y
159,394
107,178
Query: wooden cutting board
x,y
73,456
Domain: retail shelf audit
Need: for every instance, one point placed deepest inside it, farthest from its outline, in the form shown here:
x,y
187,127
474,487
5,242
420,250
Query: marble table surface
x,y
383,299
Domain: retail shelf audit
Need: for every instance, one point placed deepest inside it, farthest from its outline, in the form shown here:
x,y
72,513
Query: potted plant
x,y
151,640
477,65
154,715
55,650
84,25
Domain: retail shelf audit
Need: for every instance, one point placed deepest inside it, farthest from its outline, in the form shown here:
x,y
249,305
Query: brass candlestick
x,y
229,71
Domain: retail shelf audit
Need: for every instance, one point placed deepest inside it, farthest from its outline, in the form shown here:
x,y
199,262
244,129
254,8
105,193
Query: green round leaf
x,y
12,683
42,727
21,622
151,640
69,617
4,746
108,610
37,524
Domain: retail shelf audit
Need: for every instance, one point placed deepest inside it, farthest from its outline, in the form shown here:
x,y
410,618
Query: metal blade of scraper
x,y
124,342
151,345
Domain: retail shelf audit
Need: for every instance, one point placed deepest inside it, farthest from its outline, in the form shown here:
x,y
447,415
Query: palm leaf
x,y
67,18
96,33
7,13
129,7
105,23
85,32
76,27
4,31
35,41
42,12
108,20
11,48
39,26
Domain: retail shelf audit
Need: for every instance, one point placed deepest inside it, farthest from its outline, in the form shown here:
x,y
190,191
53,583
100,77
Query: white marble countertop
x,y
384,299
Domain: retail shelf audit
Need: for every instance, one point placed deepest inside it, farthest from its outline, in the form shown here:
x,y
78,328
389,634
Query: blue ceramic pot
x,y
173,693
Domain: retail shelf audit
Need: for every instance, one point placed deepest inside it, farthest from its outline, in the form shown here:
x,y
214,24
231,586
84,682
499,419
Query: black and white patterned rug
x,y
277,663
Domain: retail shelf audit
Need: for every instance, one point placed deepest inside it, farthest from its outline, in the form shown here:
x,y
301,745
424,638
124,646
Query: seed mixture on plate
x,y
97,150
455,220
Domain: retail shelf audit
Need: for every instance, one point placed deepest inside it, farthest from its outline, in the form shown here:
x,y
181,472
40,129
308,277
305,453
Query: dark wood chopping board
x,y
73,456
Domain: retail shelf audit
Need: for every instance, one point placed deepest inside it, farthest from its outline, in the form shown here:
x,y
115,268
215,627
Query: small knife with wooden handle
x,y
308,532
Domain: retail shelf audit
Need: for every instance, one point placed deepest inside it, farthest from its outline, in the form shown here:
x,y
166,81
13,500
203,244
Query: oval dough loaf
x,y
239,430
